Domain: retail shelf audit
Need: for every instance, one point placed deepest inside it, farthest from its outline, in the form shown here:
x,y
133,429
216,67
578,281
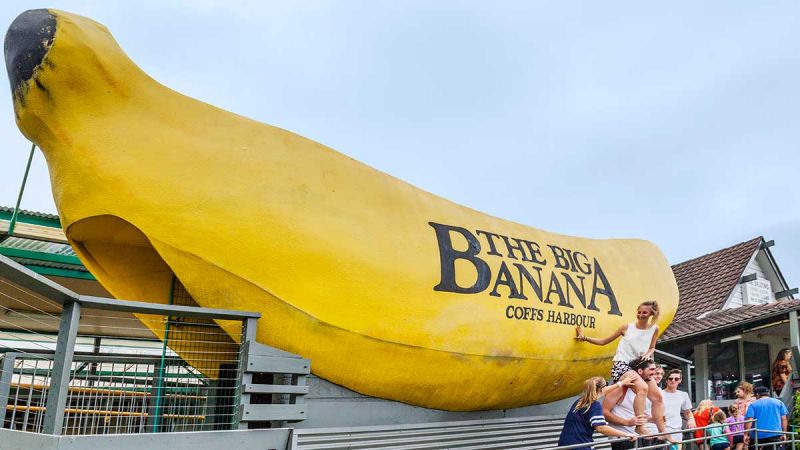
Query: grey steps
x,y
533,433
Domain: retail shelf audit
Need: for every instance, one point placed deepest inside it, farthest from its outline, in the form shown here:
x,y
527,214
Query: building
x,y
736,312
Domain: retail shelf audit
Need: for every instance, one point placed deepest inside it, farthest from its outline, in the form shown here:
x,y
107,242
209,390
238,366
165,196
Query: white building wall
x,y
756,292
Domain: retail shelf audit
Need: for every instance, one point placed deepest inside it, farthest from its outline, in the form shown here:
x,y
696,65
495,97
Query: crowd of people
x,y
635,406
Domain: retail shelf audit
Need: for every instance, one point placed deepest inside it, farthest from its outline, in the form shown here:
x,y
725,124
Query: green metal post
x,y
159,375
21,191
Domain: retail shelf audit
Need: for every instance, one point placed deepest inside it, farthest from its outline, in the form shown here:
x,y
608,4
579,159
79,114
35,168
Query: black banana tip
x,y
28,39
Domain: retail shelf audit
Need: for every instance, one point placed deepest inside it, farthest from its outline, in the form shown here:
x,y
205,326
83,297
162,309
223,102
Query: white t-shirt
x,y
674,404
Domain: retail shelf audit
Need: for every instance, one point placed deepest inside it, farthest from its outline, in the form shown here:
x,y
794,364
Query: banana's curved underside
x,y
389,290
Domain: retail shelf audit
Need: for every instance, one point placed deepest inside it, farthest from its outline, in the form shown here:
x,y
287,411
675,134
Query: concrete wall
x,y
331,405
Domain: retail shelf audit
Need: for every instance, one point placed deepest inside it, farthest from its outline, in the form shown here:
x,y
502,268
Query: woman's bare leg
x,y
640,388
657,405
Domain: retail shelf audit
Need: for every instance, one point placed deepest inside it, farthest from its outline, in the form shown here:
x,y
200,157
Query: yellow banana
x,y
389,290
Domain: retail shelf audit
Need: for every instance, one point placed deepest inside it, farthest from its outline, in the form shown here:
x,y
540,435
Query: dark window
x,y
756,364
723,369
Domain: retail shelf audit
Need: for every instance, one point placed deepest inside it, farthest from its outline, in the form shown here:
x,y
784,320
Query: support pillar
x,y
62,365
794,342
701,371
248,335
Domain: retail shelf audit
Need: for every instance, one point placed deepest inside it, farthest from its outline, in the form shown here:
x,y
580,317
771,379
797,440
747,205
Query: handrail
x,y
667,443
677,358
28,279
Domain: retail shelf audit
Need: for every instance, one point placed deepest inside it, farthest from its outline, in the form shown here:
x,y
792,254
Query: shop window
x,y
723,369
757,364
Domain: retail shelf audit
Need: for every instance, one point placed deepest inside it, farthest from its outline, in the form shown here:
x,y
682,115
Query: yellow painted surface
x,y
341,259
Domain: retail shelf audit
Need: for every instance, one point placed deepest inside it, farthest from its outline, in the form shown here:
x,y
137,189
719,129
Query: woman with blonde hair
x,y
585,416
638,339
702,417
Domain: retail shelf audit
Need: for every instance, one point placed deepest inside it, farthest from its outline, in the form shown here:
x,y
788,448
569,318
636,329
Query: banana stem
x,y
15,214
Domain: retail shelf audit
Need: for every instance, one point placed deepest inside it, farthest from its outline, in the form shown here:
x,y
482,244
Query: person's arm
x,y
611,387
747,426
599,341
609,401
613,432
687,414
608,404
784,426
652,348
627,380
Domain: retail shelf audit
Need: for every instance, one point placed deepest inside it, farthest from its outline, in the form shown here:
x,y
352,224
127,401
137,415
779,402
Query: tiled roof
x,y
725,318
706,282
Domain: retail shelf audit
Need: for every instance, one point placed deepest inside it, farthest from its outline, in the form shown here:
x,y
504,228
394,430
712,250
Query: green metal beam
x,y
40,256
21,191
23,217
61,272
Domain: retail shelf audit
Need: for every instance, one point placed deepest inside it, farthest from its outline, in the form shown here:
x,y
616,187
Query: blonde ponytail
x,y
591,392
655,312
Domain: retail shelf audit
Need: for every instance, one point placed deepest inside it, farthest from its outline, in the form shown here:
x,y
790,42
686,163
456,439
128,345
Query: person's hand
x,y
631,436
629,379
783,437
637,421
579,334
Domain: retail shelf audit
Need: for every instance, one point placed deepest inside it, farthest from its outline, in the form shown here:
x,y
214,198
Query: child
x,y
638,339
716,432
737,429
702,417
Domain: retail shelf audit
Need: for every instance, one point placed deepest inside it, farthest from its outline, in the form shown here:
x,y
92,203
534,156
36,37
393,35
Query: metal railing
x,y
166,367
109,394
791,438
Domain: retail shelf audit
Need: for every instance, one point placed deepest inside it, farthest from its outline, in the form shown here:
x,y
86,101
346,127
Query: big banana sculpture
x,y
389,290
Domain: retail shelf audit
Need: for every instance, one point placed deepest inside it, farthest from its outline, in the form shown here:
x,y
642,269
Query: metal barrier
x,y
791,439
105,373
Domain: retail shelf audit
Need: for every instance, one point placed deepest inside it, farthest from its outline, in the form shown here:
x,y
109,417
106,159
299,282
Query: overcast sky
x,y
675,122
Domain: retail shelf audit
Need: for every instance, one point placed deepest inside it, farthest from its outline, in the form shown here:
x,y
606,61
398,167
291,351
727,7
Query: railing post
x,y
62,364
155,412
248,335
5,381
755,433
